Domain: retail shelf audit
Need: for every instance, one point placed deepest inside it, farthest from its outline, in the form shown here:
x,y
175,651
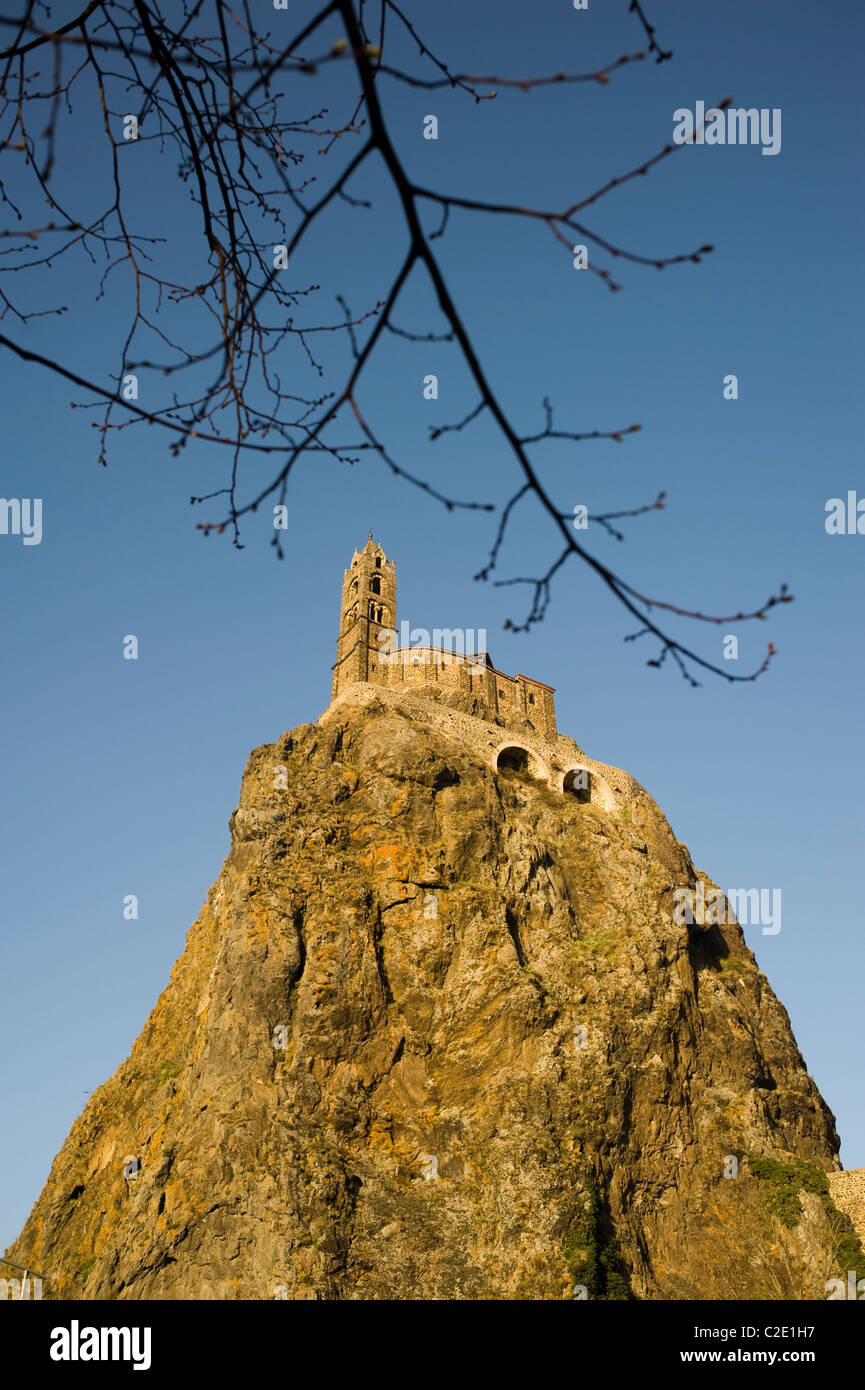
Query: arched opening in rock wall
x,y
513,760
515,757
578,784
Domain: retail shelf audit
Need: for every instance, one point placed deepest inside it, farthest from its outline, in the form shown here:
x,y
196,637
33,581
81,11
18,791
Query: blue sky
x,y
120,776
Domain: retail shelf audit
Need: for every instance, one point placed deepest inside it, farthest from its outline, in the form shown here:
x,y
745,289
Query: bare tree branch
x,y
263,164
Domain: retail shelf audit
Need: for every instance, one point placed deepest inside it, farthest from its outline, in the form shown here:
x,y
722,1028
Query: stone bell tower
x,y
368,607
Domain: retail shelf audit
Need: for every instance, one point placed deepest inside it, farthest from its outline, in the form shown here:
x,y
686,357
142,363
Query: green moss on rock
x,y
592,1252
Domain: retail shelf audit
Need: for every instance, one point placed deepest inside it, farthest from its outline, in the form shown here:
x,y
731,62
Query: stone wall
x,y
451,672
610,788
848,1193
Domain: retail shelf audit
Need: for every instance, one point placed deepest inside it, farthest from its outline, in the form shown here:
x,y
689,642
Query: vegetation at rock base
x,y
787,1181
592,1251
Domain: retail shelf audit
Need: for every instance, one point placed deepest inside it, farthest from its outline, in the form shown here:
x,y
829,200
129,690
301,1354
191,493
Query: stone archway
x,y
515,757
587,787
578,783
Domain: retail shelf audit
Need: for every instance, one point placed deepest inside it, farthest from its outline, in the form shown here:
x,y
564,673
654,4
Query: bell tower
x,y
368,607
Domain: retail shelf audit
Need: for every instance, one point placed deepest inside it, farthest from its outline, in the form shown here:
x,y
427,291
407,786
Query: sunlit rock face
x,y
437,1033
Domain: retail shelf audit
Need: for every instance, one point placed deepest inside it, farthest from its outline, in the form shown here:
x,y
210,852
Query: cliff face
x,y
435,1034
